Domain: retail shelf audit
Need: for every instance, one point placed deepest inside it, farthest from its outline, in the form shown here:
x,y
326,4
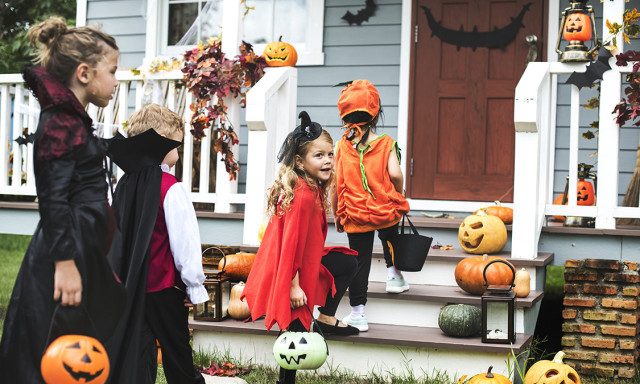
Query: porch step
x,y
383,334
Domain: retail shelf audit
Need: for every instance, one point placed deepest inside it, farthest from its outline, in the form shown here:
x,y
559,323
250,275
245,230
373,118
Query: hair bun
x,y
47,31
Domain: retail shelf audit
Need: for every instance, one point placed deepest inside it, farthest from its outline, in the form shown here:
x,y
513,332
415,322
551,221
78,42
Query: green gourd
x,y
300,350
460,320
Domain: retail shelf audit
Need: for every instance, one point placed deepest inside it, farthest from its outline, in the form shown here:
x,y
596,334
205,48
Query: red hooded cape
x,y
293,242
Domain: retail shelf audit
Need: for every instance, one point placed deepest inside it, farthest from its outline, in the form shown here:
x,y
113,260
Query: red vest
x,y
162,270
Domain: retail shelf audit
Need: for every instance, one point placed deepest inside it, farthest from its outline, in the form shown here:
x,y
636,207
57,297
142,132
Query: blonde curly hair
x,y
288,177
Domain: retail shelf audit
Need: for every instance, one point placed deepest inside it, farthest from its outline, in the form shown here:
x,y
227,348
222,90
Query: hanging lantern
x,y
498,310
576,28
218,287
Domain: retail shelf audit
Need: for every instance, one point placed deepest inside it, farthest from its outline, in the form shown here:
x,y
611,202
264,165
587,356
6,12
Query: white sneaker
x,y
395,285
359,322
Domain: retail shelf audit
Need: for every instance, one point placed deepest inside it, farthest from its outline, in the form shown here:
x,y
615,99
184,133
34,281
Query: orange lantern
x,y
576,27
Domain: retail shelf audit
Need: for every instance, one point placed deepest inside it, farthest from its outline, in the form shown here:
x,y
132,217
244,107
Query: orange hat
x,y
360,95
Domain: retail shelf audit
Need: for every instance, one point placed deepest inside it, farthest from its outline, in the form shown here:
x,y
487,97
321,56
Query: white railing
x,y
535,125
19,111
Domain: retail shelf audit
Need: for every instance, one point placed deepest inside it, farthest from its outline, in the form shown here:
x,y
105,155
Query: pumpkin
x,y
558,201
300,350
238,265
504,213
577,27
552,372
480,234
469,276
522,283
280,54
586,193
460,320
159,359
486,378
75,359
238,309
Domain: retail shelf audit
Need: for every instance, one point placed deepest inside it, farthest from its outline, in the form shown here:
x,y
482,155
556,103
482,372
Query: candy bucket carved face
x,y
482,234
300,350
74,359
577,27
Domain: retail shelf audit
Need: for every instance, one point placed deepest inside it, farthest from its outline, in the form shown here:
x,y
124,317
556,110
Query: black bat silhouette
x,y
594,70
22,140
363,15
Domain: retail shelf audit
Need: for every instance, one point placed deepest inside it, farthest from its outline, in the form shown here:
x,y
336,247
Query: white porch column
x,y
231,39
609,131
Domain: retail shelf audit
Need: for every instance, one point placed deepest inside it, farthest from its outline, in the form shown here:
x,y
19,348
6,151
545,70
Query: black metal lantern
x,y
218,287
576,27
498,310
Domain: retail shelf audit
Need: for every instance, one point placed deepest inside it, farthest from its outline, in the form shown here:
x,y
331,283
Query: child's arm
x,y
184,239
395,172
298,297
333,196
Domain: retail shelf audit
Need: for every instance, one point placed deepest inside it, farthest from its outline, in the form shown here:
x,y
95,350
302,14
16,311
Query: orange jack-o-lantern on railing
x,y
576,28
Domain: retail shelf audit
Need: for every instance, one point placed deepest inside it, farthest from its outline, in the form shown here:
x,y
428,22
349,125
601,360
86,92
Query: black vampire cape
x,y
136,202
74,224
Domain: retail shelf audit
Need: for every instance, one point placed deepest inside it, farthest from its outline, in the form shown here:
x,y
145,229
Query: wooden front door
x,y
461,132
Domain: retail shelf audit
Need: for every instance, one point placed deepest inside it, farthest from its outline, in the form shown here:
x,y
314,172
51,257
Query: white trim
x,y
553,26
404,87
81,13
450,205
153,27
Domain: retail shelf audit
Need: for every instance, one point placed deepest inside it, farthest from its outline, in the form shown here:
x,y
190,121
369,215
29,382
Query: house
x,y
475,124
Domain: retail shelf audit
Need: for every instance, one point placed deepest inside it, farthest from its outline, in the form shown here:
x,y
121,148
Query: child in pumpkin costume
x,y
368,194
159,255
292,267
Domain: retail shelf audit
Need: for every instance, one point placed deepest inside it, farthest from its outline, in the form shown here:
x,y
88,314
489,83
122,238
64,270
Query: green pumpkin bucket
x,y
301,350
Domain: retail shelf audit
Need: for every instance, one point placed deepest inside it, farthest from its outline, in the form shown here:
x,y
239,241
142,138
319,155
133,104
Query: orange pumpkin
x,y
485,378
552,372
469,276
586,193
72,359
238,309
159,359
280,54
238,265
577,26
480,234
504,213
558,201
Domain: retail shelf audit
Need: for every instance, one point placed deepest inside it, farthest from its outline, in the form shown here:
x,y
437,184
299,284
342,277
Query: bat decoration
x,y
594,70
26,139
497,38
363,15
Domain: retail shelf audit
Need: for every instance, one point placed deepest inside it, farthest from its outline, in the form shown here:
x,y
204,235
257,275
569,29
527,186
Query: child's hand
x,y
339,226
67,283
187,302
298,298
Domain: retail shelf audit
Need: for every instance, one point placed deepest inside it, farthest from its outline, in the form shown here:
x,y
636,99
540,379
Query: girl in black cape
x,y
65,264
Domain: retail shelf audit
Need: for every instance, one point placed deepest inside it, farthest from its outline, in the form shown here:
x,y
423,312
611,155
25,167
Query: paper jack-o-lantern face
x,y
300,350
586,193
577,27
482,234
280,54
74,359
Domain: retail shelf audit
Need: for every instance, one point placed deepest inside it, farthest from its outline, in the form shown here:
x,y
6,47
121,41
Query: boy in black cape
x,y
157,254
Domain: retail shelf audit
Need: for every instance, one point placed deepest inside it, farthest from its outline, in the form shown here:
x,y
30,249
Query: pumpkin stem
x,y
485,257
498,203
489,375
558,357
280,39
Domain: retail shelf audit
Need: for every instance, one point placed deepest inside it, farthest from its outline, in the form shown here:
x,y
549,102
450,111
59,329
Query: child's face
x,y
318,162
172,157
102,82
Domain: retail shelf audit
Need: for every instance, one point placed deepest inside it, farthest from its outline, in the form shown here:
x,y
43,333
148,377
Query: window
x,y
299,22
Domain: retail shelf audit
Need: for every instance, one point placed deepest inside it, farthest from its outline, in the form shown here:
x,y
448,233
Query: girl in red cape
x,y
292,267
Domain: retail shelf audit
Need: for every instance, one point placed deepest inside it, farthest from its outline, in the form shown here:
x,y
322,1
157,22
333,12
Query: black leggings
x,y
288,376
363,244
343,268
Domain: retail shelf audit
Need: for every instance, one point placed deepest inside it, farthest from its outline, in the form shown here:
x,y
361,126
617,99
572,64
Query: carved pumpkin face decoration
x,y
300,350
577,27
482,234
280,54
72,359
586,193
552,372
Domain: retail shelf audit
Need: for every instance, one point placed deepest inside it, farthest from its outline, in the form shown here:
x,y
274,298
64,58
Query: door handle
x,y
532,41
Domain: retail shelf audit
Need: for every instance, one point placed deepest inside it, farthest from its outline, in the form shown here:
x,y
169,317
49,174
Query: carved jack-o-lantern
x,y
280,54
586,193
482,234
71,359
552,372
300,350
577,27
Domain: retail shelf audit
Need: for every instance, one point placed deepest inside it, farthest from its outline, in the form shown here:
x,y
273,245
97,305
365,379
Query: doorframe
x,y
405,90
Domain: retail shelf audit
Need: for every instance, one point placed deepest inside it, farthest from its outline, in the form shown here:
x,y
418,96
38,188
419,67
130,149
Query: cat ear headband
x,y
307,131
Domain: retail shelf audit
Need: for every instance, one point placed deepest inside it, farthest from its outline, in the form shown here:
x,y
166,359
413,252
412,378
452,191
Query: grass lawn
x,y
12,249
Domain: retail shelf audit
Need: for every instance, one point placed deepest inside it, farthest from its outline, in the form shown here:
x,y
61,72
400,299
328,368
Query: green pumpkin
x,y
460,320
300,350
